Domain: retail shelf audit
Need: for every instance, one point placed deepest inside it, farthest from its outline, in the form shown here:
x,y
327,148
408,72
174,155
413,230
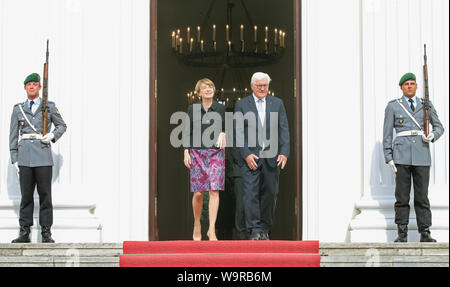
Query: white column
x,y
393,36
99,79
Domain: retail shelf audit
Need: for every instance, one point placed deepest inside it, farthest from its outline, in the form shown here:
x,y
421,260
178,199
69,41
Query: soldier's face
x,y
409,88
32,89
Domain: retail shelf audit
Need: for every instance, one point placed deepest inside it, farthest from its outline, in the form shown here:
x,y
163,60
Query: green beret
x,y
32,78
407,77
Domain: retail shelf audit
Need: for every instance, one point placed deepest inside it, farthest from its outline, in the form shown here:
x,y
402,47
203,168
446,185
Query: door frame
x,y
153,122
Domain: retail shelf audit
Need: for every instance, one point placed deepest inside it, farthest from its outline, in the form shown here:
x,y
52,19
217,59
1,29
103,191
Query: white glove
x,y
48,138
16,165
428,138
393,167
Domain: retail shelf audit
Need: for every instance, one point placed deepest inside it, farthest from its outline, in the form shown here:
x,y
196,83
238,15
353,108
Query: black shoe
x,y
24,235
46,235
402,233
255,236
265,236
425,236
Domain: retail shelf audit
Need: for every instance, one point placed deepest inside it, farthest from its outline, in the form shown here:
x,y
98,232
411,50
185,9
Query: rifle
x,y
426,100
45,96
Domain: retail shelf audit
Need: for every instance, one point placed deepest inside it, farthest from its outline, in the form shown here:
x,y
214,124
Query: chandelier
x,y
232,50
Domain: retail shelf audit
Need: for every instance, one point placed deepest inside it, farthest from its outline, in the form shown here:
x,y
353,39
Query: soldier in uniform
x,y
408,155
32,157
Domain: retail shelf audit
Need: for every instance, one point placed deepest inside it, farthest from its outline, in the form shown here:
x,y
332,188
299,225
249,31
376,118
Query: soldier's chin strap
x,y
409,114
28,121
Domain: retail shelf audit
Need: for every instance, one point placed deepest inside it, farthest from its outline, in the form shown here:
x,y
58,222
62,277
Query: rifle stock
x,y
45,96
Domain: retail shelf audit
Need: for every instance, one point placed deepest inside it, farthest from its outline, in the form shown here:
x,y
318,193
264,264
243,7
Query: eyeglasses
x,y
262,86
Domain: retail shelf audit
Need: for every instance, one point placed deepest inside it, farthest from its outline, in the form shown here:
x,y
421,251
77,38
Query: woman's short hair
x,y
206,82
260,76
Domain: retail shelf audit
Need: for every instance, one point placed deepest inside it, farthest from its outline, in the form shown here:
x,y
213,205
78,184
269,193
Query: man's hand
x,y
393,167
251,161
187,159
16,166
48,138
428,138
282,159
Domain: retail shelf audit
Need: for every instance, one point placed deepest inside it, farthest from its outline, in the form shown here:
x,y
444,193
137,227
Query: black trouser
x,y
29,178
421,177
260,196
239,221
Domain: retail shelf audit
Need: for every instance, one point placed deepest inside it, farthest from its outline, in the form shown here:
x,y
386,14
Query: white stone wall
x,y
99,79
353,53
352,61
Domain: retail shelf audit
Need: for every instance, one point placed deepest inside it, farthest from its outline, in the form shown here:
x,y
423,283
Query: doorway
x,y
170,200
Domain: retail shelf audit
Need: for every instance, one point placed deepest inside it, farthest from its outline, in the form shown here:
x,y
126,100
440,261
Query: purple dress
x,y
207,169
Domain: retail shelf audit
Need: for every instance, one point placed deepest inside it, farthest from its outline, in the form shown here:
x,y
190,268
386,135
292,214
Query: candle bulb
x,y
242,32
229,46
281,40
190,45
214,32
267,32
201,46
181,45
284,34
266,45
198,34
215,46
227,32
275,36
188,33
173,39
256,32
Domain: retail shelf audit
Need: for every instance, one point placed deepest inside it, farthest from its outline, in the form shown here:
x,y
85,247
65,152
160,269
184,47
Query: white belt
x,y
410,133
31,137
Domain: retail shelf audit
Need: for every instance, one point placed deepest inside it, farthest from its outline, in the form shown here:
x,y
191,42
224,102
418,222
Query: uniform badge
x,y
57,111
401,121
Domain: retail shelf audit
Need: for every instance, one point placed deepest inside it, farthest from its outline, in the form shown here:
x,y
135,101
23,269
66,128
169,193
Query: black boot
x,y
46,235
24,235
425,236
402,233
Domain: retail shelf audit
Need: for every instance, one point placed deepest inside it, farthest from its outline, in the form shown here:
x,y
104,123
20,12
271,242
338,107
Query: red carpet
x,y
239,253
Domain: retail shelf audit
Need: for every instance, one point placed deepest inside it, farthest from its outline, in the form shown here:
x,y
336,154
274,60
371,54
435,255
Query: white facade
x,y
353,53
99,79
352,61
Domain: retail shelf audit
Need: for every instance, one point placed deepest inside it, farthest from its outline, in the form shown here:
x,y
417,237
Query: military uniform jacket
x,y
408,150
33,153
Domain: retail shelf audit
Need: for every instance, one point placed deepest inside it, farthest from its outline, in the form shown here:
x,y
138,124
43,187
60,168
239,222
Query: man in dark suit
x,y
263,144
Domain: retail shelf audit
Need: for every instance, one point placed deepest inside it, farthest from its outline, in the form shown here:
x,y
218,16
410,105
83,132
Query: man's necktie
x,y
412,104
261,111
31,106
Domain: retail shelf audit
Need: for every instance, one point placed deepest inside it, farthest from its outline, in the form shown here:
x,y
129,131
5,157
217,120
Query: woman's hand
x,y
187,159
221,141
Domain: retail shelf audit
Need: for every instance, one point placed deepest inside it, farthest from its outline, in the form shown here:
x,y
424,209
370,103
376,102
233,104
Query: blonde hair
x,y
206,82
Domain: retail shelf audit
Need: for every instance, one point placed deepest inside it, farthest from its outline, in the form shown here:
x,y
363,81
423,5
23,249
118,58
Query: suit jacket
x,y
408,150
273,105
28,152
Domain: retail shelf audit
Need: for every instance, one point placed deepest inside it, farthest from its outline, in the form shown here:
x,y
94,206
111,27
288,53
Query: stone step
x,y
43,261
384,254
412,254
